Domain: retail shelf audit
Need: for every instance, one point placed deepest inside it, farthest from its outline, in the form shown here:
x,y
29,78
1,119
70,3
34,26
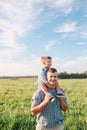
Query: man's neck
x,y
51,86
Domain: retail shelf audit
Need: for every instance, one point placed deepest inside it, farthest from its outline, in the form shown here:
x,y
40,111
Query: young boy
x,y
41,82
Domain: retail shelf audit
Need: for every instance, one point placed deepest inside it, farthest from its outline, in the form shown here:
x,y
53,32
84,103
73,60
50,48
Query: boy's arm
x,y
57,86
44,83
44,88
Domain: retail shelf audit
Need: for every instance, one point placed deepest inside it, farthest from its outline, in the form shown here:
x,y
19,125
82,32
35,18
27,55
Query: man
x,y
49,114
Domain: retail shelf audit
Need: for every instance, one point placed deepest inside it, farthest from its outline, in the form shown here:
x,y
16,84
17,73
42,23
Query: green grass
x,y
15,102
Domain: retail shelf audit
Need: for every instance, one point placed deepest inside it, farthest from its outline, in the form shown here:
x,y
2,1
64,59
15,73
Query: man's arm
x,y
64,105
36,109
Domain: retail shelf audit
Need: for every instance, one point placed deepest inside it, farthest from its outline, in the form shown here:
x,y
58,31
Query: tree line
x,y
62,75
65,75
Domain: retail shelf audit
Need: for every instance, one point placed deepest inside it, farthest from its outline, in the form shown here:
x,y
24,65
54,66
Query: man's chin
x,y
52,84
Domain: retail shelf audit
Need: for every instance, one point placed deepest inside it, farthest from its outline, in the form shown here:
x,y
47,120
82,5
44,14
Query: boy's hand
x,y
48,94
48,97
60,92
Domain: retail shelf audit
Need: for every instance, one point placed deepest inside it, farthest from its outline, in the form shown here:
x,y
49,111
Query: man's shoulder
x,y
38,92
37,97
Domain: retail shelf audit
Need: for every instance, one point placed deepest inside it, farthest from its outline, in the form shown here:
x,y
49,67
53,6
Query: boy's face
x,y
52,78
47,63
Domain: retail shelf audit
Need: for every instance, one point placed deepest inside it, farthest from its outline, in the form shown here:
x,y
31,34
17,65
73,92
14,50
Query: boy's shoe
x,y
60,95
52,99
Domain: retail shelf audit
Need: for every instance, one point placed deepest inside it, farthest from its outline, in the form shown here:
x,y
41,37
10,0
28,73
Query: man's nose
x,y
53,78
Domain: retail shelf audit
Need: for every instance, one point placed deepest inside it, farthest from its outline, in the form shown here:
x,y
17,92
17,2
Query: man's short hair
x,y
52,70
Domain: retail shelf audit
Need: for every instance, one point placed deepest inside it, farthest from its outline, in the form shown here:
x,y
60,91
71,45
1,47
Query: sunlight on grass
x,y
15,101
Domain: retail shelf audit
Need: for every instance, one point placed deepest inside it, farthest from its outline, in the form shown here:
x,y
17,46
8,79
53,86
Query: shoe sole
x,y
60,96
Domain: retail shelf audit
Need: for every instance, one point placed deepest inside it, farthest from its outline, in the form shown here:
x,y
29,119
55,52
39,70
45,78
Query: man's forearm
x,y
36,109
64,106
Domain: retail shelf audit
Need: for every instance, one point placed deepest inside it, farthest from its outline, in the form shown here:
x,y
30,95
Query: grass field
x,y
15,101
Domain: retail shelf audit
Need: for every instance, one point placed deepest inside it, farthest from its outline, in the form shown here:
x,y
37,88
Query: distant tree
x,y
65,75
85,72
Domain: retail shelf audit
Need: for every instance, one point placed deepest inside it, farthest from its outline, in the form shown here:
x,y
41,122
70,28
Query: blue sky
x,y
31,29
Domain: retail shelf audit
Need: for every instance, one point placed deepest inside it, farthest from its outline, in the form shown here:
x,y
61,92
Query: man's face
x,y
52,78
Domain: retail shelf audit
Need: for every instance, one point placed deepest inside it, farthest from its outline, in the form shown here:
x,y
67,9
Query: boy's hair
x,y
43,58
53,70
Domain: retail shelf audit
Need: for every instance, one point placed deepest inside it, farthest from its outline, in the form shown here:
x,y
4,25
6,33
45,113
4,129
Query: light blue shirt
x,y
41,77
51,115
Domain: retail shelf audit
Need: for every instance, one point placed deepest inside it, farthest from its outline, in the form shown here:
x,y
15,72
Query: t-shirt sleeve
x,y
36,99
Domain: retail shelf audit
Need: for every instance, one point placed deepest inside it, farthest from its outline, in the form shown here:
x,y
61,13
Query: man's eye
x,y
53,76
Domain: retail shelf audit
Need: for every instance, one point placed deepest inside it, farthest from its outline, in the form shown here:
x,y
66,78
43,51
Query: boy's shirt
x,y
41,77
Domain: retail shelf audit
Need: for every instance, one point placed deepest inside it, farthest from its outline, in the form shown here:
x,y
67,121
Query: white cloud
x,y
7,39
20,17
67,27
85,15
9,55
81,58
62,3
84,34
8,34
81,43
64,6
18,69
72,66
50,45
68,10
31,67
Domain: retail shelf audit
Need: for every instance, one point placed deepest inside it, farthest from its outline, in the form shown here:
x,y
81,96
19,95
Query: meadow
x,y
15,102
